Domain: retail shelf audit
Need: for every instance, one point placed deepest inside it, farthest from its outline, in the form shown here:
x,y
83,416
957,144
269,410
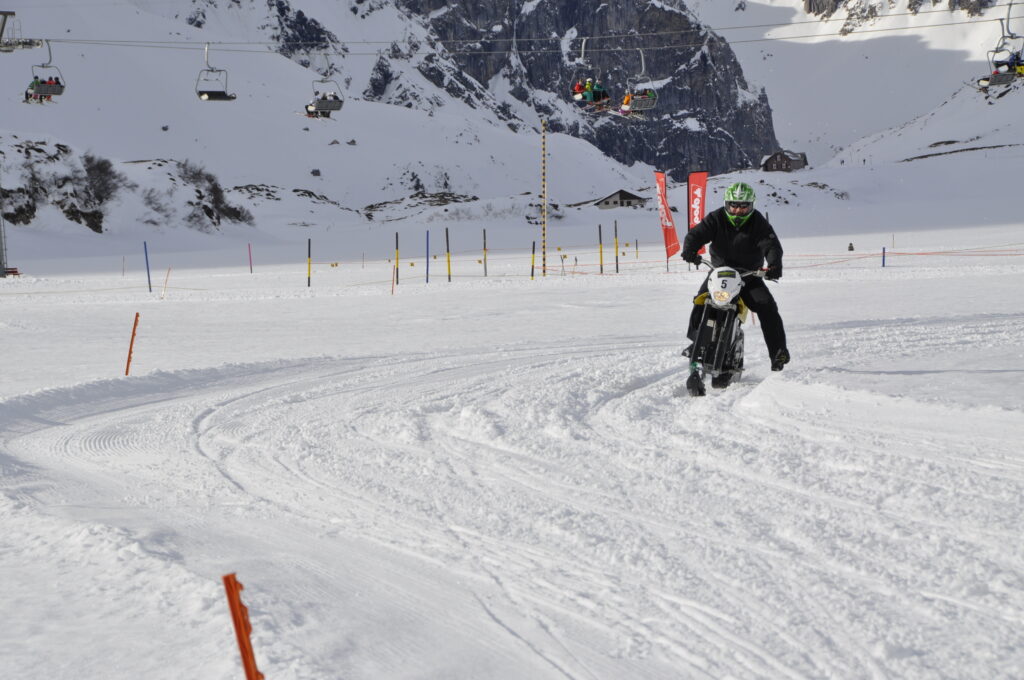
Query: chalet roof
x,y
622,194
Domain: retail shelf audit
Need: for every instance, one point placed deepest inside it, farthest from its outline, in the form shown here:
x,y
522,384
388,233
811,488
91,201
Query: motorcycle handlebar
x,y
750,272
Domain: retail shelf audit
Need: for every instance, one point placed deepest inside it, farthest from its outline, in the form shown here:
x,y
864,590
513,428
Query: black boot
x,y
780,359
695,385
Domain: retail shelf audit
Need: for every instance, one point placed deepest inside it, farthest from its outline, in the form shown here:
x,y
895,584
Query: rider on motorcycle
x,y
742,238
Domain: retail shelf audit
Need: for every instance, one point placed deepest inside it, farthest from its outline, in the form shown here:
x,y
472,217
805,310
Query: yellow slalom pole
x,y
309,263
616,246
448,253
533,259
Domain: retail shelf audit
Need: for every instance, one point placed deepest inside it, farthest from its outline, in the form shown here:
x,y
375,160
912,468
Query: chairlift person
x,y
30,91
626,108
600,96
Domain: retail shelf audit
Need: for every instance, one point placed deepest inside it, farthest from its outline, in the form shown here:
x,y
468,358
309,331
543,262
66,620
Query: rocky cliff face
x,y
860,10
528,54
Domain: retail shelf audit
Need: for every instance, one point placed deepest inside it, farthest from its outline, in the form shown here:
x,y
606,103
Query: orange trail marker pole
x,y
243,629
131,345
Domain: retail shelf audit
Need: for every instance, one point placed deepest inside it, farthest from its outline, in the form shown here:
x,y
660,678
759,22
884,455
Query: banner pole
x,y
668,225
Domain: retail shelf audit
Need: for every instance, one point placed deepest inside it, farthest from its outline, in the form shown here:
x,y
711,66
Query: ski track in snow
x,y
783,528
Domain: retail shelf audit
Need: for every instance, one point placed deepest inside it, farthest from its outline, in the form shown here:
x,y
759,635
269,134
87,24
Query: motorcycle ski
x,y
717,351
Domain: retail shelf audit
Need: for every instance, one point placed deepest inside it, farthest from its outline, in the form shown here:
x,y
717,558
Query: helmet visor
x,y
739,207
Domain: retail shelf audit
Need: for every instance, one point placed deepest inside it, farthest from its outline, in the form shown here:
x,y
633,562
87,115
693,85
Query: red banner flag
x,y
668,226
698,185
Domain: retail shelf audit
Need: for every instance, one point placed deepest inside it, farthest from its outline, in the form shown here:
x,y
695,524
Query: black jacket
x,y
746,247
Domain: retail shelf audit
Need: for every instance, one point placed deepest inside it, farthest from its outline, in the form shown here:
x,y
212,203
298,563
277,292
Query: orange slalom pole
x,y
243,629
131,345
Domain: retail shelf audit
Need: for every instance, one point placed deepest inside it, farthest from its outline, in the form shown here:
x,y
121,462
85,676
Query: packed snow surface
x,y
491,477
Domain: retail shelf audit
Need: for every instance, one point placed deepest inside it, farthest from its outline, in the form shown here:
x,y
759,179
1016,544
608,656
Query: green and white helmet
x,y
739,203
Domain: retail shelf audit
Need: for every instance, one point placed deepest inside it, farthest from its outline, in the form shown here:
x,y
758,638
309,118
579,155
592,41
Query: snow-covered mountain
x,y
855,68
433,128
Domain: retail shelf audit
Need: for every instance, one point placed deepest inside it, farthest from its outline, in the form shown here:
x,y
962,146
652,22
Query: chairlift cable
x,y
185,45
170,44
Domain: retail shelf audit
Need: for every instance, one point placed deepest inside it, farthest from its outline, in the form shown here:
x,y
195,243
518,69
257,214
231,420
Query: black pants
x,y
758,298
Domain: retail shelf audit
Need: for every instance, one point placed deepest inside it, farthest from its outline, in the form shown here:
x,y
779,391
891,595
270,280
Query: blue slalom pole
x,y
149,279
428,256
883,256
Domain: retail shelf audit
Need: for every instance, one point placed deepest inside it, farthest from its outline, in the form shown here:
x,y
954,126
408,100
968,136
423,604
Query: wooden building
x,y
621,199
784,161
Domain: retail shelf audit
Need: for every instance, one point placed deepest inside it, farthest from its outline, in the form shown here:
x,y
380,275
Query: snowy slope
x,y
828,90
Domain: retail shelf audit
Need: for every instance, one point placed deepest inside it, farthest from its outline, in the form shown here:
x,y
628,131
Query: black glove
x,y
691,257
774,272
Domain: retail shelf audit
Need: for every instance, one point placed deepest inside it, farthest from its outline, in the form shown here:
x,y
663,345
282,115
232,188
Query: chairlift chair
x,y
212,83
320,104
645,96
1009,44
581,72
44,72
581,69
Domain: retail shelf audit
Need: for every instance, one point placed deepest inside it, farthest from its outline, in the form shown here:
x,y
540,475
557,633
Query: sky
x,y
494,477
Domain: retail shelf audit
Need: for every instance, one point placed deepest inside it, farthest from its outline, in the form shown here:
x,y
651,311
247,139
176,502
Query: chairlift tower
x,y
9,43
3,234
14,42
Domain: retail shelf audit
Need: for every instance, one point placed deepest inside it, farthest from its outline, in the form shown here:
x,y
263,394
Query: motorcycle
x,y
718,348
